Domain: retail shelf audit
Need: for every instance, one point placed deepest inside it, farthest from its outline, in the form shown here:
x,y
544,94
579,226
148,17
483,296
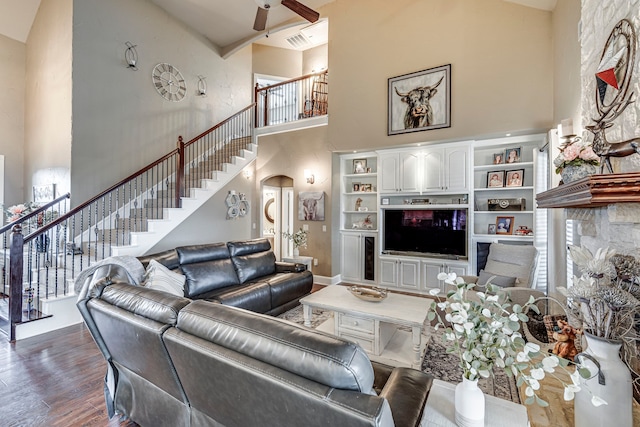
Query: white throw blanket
x,y
131,264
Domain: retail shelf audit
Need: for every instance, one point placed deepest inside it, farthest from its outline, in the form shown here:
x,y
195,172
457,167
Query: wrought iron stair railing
x,y
43,263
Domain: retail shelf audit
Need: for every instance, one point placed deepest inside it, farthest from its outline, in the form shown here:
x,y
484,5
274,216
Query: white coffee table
x,y
440,411
374,325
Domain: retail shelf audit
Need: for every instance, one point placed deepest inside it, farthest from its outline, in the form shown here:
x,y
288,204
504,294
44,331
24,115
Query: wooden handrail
x,y
228,119
306,76
34,213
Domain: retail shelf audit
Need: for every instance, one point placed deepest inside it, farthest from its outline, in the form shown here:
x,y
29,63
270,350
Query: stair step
x,y
132,224
154,212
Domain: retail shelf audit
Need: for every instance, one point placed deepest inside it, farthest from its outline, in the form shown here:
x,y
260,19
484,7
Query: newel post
x,y
255,99
15,279
180,173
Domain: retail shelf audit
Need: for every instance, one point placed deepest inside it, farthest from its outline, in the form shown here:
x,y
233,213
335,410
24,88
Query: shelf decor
x,y
420,101
495,179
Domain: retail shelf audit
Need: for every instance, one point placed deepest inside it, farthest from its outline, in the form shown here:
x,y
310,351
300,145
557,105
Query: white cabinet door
x,y
389,171
388,272
430,271
456,170
351,257
460,270
409,275
408,172
432,170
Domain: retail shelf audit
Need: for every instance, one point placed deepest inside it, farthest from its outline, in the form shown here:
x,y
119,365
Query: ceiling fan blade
x,y
261,19
302,10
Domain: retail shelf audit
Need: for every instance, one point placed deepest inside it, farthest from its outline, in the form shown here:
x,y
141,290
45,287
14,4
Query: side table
x,y
306,260
497,413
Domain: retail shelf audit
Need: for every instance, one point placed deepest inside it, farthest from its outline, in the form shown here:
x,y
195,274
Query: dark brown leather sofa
x,y
172,361
242,274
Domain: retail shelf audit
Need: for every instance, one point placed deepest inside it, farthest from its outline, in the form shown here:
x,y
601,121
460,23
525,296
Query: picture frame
x,y
495,179
359,165
498,158
491,229
514,178
512,155
356,187
366,187
504,224
407,93
311,206
44,193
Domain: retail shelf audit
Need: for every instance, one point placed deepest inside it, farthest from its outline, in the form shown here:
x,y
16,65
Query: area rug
x,y
436,361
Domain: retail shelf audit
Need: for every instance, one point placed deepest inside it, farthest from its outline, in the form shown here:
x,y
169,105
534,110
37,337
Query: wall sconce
x,y
202,86
131,56
308,174
247,173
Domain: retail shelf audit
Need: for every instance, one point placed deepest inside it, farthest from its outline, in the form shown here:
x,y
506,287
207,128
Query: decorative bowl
x,y
368,294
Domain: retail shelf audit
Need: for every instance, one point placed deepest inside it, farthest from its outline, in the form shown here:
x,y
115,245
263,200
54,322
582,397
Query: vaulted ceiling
x,y
226,23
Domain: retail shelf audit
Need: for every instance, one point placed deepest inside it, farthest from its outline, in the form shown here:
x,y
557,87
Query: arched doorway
x,y
277,213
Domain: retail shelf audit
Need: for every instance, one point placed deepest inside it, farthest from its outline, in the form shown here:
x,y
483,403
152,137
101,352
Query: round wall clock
x,y
169,82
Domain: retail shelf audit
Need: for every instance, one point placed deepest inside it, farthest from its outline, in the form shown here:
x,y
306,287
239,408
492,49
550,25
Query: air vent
x,y
298,41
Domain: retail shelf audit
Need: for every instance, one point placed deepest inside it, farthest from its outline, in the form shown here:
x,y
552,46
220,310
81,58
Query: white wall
x,y
120,122
48,98
12,74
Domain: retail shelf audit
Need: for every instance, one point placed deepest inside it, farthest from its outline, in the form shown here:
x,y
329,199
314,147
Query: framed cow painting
x,y
420,101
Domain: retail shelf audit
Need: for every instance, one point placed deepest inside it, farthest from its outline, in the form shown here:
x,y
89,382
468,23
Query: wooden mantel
x,y
593,191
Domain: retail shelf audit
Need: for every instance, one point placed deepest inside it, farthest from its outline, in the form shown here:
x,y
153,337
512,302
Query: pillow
x,y
161,278
495,279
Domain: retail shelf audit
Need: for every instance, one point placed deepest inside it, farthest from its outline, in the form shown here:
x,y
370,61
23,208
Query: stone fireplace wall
x,y
616,226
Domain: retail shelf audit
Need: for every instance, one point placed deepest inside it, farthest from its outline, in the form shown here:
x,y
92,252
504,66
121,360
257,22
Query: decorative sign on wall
x,y
311,206
237,205
420,101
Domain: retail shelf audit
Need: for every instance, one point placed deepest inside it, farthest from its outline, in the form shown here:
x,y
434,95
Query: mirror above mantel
x,y
593,191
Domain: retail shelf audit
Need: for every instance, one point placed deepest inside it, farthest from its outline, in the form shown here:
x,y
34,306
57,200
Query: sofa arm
x,y
406,391
290,267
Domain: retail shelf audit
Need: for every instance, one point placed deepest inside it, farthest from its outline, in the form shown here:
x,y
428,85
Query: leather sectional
x,y
172,361
242,274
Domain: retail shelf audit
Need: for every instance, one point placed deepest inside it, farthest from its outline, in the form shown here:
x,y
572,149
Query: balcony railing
x,y
296,99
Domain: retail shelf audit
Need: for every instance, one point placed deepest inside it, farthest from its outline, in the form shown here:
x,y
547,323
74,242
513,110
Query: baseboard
x,y
324,280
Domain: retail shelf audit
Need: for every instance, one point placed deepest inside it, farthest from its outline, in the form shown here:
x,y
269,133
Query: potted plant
x,y
576,160
482,328
604,302
299,239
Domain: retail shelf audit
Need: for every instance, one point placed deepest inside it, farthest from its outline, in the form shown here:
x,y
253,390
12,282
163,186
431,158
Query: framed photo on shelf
x,y
495,179
357,187
515,178
504,224
359,165
365,187
491,229
498,158
512,155
420,101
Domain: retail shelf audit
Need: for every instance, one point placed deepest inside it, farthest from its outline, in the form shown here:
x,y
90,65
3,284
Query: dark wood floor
x,y
53,379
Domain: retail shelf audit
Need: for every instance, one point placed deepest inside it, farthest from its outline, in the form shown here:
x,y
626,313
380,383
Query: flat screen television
x,y
435,232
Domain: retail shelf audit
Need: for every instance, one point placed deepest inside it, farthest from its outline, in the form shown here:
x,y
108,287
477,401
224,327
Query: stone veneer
x,y
597,20
618,225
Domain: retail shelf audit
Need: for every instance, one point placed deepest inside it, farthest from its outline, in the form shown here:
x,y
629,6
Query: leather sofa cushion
x,y
255,297
286,287
245,247
150,303
200,253
252,266
168,258
320,357
206,267
206,276
407,391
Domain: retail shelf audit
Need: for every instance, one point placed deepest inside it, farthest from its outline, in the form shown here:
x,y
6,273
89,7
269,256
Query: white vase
x,y
469,404
574,173
296,252
616,391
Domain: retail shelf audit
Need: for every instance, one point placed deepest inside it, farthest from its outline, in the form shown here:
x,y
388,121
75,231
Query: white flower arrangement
x,y
299,238
575,152
483,332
